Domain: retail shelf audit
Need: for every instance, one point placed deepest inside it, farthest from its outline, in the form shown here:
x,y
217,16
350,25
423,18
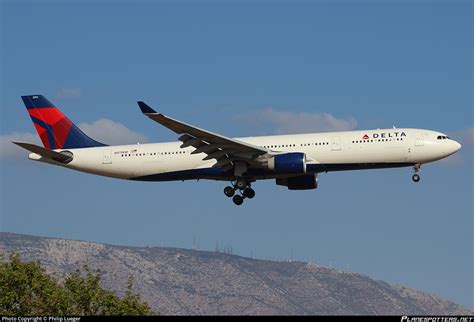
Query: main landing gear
x,y
243,187
415,177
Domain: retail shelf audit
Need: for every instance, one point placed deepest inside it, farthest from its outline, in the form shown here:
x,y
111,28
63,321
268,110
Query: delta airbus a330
x,y
294,161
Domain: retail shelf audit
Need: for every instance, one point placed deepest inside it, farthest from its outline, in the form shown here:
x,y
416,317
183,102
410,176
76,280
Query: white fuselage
x,y
331,151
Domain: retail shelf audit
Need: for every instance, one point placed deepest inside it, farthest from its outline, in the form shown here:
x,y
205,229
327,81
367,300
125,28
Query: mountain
x,y
180,281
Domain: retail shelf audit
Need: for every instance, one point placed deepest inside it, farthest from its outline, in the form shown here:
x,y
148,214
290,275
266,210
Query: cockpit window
x,y
442,137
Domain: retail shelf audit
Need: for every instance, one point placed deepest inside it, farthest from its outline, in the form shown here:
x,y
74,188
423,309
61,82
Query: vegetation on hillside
x,y
26,290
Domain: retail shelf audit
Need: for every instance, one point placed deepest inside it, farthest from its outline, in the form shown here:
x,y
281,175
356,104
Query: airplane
x,y
293,161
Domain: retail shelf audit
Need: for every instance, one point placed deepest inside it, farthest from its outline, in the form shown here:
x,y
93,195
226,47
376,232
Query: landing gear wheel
x,y
415,178
238,200
229,191
249,193
241,183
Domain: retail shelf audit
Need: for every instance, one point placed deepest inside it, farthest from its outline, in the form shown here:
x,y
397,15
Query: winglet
x,y
145,108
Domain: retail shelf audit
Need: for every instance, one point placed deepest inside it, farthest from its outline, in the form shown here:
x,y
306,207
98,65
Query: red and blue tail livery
x,y
54,128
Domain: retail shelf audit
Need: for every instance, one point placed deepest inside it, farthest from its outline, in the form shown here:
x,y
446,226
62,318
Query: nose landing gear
x,y
241,185
415,177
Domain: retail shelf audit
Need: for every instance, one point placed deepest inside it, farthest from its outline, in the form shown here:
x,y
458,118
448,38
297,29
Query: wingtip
x,y
145,108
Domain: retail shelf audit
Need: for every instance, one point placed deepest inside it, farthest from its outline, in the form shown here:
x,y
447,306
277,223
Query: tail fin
x,y
54,128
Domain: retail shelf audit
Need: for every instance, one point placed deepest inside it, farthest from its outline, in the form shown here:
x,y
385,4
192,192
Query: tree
x,y
25,289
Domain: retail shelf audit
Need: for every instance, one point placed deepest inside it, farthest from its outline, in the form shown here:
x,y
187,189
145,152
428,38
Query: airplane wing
x,y
223,149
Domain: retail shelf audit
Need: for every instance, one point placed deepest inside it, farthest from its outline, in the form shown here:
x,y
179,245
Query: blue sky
x,y
250,68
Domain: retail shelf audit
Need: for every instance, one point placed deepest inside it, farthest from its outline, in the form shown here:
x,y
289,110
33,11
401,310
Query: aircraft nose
x,y
457,146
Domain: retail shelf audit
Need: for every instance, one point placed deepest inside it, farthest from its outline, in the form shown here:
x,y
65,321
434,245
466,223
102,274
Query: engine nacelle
x,y
294,162
306,182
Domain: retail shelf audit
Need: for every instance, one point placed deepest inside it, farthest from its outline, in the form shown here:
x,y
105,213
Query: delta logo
x,y
385,135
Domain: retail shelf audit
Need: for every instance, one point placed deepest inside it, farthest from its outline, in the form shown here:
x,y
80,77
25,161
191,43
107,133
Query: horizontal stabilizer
x,y
46,153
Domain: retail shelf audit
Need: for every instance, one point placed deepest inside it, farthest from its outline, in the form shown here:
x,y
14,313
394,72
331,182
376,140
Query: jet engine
x,y
291,163
306,182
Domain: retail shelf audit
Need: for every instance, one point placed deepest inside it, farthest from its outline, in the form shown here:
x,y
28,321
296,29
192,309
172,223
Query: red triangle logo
x,y
365,137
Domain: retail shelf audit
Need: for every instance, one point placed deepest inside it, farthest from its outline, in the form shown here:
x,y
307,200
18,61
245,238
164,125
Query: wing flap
x,y
218,154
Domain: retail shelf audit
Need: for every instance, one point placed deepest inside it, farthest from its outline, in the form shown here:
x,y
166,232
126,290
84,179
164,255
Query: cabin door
x,y
335,143
107,157
419,139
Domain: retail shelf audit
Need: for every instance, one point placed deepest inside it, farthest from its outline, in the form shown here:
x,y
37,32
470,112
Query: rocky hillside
x,y
179,281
